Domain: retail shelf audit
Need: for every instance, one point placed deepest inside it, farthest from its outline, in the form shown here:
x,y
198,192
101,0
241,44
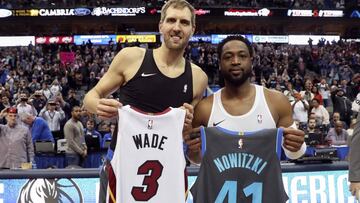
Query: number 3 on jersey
x,y
149,182
230,188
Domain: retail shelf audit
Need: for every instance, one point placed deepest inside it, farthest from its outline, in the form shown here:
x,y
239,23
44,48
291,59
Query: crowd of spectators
x,y
299,4
321,82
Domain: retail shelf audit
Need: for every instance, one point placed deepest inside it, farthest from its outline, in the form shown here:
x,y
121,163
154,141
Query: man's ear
x,y
160,27
192,31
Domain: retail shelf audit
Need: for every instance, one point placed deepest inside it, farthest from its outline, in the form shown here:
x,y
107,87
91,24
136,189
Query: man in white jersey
x,y
242,106
148,157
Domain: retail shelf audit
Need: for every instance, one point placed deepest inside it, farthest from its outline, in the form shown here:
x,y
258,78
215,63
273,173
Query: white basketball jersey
x,y
148,160
259,116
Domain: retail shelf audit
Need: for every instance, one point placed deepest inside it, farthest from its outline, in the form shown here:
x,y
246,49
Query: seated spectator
x,y
337,135
313,133
321,114
336,117
39,128
312,127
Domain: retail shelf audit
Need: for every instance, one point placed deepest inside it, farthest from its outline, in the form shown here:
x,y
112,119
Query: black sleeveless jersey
x,y
151,91
239,167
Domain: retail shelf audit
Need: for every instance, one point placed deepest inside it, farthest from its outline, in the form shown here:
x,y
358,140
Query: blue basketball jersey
x,y
239,167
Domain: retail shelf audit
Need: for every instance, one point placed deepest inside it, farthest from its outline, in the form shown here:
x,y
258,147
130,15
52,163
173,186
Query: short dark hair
x,y
75,106
237,38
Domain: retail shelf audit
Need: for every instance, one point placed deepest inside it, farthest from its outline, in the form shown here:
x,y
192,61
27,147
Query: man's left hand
x,y
354,188
293,139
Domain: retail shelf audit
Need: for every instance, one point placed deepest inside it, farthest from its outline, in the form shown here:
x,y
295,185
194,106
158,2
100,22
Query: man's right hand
x,y
194,145
84,154
193,142
107,108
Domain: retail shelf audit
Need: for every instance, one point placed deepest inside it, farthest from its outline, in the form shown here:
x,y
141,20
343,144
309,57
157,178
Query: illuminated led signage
x,y
56,12
26,12
200,12
331,13
5,13
134,38
54,40
315,13
104,11
355,14
247,12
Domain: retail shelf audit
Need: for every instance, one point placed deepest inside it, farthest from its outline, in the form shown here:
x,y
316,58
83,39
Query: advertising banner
x,y
26,12
284,39
156,11
247,12
54,40
16,41
95,39
203,38
304,39
65,12
134,38
315,13
306,187
5,13
216,39
81,11
108,11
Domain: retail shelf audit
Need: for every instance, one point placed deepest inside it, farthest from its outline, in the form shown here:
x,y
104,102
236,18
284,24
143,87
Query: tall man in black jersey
x,y
153,80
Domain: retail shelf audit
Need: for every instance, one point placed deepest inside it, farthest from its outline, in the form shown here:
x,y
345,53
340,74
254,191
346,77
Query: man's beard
x,y
171,45
236,81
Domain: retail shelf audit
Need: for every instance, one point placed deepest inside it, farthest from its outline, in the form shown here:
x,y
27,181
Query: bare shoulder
x,y
200,81
127,62
202,111
198,72
130,54
279,106
206,102
273,96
